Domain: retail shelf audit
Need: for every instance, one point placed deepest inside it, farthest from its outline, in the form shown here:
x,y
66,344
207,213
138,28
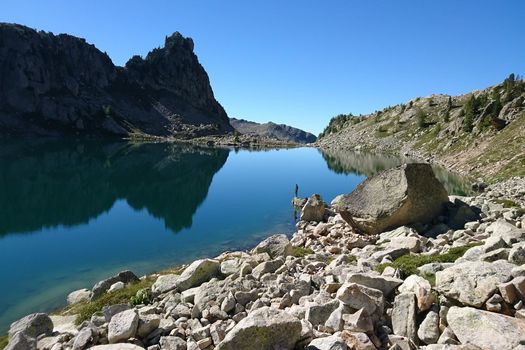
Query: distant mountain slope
x,y
480,134
56,85
274,131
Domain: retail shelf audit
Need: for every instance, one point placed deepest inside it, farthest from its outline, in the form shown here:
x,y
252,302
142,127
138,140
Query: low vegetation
x,y
300,252
3,342
408,264
126,295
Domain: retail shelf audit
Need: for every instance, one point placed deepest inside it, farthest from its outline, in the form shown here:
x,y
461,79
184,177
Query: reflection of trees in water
x,y
368,164
50,183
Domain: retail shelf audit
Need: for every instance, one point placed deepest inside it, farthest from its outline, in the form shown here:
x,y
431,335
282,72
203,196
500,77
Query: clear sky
x,y
301,62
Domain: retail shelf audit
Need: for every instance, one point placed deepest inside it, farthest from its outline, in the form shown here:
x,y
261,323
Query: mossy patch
x,y
300,252
85,310
506,203
3,341
408,264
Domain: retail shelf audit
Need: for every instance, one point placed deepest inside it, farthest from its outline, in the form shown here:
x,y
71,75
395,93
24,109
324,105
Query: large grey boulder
x,y
487,330
32,325
165,283
421,288
276,245
428,331
265,328
172,343
123,326
332,342
314,209
358,297
383,283
395,197
473,282
103,286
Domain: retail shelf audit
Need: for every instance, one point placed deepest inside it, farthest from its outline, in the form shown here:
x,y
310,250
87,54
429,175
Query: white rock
x,y
123,326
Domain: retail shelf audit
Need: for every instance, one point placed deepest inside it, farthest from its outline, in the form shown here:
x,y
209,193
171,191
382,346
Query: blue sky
x,y
302,62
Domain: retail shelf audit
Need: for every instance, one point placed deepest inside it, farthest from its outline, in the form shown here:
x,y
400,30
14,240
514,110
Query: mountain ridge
x,y
272,130
479,134
56,85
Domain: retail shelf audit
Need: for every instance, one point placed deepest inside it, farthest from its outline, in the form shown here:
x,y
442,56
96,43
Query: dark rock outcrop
x,y
273,131
55,85
400,196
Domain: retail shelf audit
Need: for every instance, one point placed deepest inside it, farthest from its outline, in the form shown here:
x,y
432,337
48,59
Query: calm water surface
x,y
73,213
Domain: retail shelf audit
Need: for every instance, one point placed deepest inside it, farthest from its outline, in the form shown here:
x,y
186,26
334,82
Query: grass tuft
x,y
301,252
126,295
3,341
409,263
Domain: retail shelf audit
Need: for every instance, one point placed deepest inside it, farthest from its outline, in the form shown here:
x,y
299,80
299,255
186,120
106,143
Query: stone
x,y
275,246
472,283
218,331
383,283
231,266
123,326
357,340
507,292
508,232
165,283
266,327
101,287
314,209
484,329
172,343
360,321
112,310
360,297
400,196
404,315
335,319
204,343
116,286
421,288
318,313
122,346
428,331
267,267
21,341
83,338
78,296
197,273
32,325
517,254
327,343
244,298
147,324
228,303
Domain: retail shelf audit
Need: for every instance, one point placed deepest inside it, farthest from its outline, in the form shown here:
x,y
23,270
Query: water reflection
x,y
368,164
50,183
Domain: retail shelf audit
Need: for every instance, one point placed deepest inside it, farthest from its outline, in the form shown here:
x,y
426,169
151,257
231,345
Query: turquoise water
x,y
72,213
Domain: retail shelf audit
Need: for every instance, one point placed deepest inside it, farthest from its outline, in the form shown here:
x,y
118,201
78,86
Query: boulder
x,y
165,283
78,296
359,321
123,326
473,282
276,245
172,343
83,338
318,313
197,273
357,340
32,325
21,341
404,315
332,342
383,283
507,231
428,331
360,297
314,209
264,328
487,330
421,288
400,196
103,286
122,346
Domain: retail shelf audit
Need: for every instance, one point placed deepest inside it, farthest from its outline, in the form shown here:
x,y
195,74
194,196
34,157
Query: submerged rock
x,y
404,195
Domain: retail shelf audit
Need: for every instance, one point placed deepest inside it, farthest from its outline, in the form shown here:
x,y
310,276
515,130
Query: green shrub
x,y
409,263
85,310
421,118
300,252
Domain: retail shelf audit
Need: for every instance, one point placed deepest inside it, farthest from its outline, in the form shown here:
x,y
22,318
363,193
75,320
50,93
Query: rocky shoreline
x,y
454,282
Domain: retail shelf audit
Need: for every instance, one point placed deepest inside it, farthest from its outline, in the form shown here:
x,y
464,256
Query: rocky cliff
x,y
55,85
478,134
272,131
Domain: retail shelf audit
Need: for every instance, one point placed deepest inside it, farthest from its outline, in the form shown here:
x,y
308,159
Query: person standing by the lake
x,y
296,189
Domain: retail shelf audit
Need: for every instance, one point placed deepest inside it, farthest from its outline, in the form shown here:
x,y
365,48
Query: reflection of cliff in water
x,y
368,164
50,183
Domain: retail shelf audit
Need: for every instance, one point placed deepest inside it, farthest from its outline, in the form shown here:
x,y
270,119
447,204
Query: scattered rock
x,y
314,209
32,325
78,296
123,326
276,245
404,316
